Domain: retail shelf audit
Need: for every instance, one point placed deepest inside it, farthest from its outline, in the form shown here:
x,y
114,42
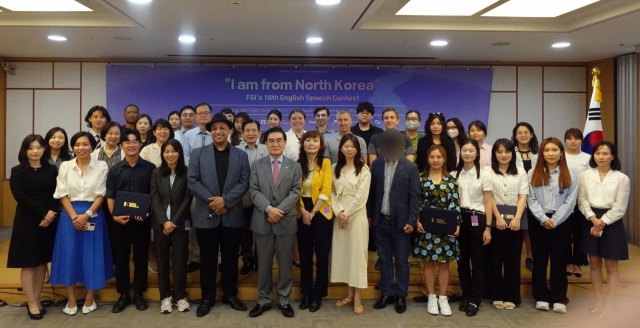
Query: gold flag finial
x,y
596,83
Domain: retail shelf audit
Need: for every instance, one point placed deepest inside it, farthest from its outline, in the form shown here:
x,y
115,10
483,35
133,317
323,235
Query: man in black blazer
x,y
393,207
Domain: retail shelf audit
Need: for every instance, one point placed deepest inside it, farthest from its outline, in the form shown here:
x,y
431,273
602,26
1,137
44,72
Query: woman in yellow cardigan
x,y
315,228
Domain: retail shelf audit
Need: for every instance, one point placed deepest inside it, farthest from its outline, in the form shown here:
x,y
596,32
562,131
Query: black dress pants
x,y
137,234
471,266
576,219
316,237
176,247
246,245
503,253
552,246
227,241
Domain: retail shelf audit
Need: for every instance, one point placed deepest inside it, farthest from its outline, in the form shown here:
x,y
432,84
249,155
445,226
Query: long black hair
x,y
462,135
26,143
427,125
476,161
508,146
302,159
180,167
342,160
235,134
65,151
534,145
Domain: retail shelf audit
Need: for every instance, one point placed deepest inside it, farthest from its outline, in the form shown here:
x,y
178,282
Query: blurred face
x,y
113,136
311,145
344,123
131,114
57,141
238,124
476,134
573,144
162,134
365,117
203,114
552,153
188,118
97,120
504,156
275,144
251,133
143,125
273,121
297,121
174,120
35,151
390,120
170,155
603,156
229,116
131,146
436,160
468,153
523,135
435,127
82,148
321,118
349,150
220,133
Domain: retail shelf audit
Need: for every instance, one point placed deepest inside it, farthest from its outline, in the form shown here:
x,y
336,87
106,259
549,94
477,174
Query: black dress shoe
x,y
193,266
296,264
528,262
287,310
259,309
383,302
315,304
140,302
377,265
121,304
401,304
463,305
472,310
246,268
204,308
34,316
306,300
234,303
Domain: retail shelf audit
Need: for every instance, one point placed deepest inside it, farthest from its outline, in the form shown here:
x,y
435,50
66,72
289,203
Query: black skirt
x,y
612,245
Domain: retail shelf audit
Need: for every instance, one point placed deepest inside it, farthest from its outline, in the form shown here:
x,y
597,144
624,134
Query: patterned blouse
x,y
111,161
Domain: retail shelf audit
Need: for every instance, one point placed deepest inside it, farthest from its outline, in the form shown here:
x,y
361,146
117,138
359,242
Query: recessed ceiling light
x,y
56,38
327,2
314,40
140,1
537,8
187,39
561,45
43,5
439,43
444,8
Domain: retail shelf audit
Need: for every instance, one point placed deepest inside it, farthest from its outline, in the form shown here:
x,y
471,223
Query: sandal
x,y
358,308
509,306
345,301
498,305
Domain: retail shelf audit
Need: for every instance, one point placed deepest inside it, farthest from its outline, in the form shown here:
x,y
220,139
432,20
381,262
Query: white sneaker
x,y
559,308
167,305
87,310
445,309
542,306
183,305
432,305
69,310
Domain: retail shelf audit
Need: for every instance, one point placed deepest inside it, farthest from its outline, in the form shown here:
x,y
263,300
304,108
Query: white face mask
x,y
411,125
452,133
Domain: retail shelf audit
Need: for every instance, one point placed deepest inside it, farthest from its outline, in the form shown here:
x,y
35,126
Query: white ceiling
x,y
353,28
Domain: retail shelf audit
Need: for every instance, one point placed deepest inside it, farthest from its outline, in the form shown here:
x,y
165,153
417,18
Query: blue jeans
x,y
393,244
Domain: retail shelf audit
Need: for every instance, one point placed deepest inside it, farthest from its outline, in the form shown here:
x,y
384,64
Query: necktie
x,y
204,136
276,171
98,145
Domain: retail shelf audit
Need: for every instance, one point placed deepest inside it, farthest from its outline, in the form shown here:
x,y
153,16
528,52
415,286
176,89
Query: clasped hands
x,y
549,224
274,215
48,219
217,205
420,229
598,226
168,227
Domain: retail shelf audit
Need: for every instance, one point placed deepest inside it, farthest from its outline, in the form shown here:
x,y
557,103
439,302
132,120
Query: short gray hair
x,y
344,111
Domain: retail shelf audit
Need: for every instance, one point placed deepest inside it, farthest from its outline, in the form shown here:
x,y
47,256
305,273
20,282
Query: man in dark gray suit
x,y
393,207
275,189
218,177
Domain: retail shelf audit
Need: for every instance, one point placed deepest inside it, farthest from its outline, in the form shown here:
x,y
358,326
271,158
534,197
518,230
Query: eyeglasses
x,y
273,141
201,114
187,115
364,113
413,119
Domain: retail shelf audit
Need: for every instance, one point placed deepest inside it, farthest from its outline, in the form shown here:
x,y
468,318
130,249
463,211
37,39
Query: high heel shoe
x,y
34,316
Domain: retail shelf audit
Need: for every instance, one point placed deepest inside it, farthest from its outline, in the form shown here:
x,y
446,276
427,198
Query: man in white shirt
x,y
332,141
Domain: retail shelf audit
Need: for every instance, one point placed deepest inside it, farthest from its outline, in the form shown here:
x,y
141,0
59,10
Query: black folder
x,y
131,204
508,213
439,221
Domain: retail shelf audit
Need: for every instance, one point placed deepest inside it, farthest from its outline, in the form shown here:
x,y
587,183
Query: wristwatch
x,y
89,213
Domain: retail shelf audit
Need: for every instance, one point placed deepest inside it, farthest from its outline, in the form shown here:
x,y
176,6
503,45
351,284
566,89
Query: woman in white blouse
x,y
297,120
162,132
82,252
603,197
578,162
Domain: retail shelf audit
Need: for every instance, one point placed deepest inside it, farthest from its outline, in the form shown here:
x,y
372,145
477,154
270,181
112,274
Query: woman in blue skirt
x,y
82,253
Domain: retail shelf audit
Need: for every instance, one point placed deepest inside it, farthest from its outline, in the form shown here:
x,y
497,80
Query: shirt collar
x,y
226,149
271,158
74,162
472,171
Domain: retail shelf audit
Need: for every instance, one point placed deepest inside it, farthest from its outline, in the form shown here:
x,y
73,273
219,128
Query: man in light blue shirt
x,y
200,137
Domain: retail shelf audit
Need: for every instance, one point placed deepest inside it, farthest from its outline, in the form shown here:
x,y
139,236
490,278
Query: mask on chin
x,y
452,133
411,125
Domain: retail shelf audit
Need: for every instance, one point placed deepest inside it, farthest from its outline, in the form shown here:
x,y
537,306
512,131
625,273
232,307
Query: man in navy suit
x,y
218,177
392,208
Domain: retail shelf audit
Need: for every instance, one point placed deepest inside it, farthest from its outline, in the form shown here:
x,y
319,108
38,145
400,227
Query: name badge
x,y
474,220
327,210
187,225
